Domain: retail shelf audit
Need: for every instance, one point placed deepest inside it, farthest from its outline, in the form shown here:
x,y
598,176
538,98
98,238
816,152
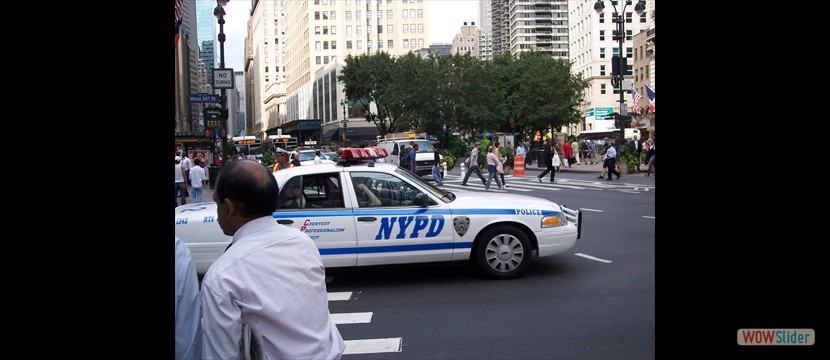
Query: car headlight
x,y
554,220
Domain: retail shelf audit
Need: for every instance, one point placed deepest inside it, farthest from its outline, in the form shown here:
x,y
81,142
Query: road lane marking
x,y
589,257
372,346
352,318
648,217
339,296
594,210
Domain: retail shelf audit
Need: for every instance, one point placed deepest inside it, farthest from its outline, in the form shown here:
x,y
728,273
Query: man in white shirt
x,y
188,308
197,180
188,164
271,277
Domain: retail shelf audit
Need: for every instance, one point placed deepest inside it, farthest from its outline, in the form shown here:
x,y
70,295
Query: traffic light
x,y
615,65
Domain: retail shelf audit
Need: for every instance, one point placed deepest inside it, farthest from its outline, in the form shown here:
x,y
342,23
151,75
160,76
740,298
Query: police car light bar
x,y
363,154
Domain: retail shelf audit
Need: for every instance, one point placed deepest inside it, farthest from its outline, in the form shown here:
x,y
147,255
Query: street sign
x,y
203,98
614,80
223,79
624,109
213,117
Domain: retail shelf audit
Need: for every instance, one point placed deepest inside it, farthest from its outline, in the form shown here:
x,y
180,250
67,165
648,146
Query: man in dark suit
x,y
548,157
638,148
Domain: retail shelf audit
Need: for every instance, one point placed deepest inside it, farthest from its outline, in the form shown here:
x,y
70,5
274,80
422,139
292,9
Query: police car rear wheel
x,y
502,252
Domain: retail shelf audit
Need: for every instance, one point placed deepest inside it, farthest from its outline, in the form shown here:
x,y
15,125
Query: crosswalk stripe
x,y
373,346
339,296
352,318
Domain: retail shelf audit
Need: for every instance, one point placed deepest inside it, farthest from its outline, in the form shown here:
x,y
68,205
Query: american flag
x,y
637,97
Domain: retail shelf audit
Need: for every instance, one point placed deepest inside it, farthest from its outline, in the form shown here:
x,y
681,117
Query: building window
x,y
421,43
629,18
318,60
616,52
601,53
412,28
389,28
358,15
334,29
380,29
359,29
348,44
334,45
389,14
360,44
316,30
404,13
420,13
412,13
348,15
317,45
325,15
629,52
325,59
380,44
629,35
602,70
325,46
602,18
332,15
405,27
368,44
405,43
602,89
316,15
602,35
368,14
643,17
348,29
390,44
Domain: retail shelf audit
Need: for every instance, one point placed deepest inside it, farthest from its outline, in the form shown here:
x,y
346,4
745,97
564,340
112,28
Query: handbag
x,y
499,168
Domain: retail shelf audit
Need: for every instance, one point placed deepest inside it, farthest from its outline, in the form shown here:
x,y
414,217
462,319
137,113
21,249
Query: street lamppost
x,y
618,65
219,12
345,121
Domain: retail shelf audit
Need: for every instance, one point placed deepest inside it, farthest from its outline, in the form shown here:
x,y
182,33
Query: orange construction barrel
x,y
519,165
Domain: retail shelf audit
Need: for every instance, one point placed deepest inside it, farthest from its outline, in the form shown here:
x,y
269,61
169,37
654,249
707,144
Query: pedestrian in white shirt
x,y
197,181
317,159
270,278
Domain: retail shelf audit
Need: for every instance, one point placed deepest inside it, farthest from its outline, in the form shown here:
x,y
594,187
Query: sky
x,y
445,20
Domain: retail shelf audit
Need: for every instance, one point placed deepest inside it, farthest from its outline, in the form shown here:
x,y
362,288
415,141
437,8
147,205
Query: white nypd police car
x,y
361,213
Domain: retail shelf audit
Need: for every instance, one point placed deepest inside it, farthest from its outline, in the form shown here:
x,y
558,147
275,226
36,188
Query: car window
x,y
318,191
291,197
381,190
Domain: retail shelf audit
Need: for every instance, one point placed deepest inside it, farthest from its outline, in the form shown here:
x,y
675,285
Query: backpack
x,y
405,157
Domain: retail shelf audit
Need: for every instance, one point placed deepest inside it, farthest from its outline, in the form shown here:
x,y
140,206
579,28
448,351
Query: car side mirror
x,y
423,200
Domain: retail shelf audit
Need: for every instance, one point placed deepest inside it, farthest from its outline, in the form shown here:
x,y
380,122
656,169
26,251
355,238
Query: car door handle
x,y
367,218
285,222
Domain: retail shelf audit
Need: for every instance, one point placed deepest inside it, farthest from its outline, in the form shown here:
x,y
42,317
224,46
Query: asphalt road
x,y
596,301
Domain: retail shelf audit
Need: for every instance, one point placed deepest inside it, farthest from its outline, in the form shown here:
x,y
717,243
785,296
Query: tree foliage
x,y
444,94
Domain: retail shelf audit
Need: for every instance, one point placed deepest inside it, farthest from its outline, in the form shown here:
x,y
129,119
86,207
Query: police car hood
x,y
470,199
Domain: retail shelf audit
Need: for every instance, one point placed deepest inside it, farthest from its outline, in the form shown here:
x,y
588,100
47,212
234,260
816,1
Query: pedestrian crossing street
x,y
361,346
523,184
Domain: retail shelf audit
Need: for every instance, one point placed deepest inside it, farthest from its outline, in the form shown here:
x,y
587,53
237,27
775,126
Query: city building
x,y
530,25
466,42
592,47
485,30
289,41
206,30
187,82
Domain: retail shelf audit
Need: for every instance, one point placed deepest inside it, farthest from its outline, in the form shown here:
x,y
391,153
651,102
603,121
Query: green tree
x,y
365,80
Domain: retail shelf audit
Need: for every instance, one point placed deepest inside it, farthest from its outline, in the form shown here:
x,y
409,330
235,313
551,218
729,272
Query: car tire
x,y
502,252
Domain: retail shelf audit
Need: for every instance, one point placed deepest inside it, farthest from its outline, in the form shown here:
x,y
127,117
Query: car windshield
x,y
445,196
424,146
306,155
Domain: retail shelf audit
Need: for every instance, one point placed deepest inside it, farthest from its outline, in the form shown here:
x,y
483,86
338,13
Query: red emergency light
x,y
362,153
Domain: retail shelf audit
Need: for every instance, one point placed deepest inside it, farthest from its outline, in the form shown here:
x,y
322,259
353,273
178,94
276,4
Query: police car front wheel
x,y
502,252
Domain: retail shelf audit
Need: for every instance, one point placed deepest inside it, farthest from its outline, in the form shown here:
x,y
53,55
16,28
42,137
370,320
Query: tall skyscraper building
x,y
485,29
206,30
187,71
524,25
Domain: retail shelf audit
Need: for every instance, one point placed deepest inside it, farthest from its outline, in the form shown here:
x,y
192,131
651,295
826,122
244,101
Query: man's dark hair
x,y
197,162
250,184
